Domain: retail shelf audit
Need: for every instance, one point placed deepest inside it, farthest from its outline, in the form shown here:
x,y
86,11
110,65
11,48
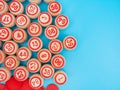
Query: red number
x,y
20,74
35,43
55,46
47,72
54,7
23,54
15,6
57,61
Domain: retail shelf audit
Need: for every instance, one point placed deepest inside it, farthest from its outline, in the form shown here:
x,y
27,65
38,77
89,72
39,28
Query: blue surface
x,y
95,63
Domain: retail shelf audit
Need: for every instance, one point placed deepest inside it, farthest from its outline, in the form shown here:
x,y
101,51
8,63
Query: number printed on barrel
x,y
21,20
47,71
54,8
23,54
70,42
33,65
20,74
10,62
34,29
44,55
6,18
35,44
58,61
55,46
51,32
36,81
32,9
60,78
61,21
15,6
9,47
5,34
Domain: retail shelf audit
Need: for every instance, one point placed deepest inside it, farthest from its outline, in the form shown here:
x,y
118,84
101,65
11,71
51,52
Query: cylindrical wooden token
x,y
61,21
10,47
11,62
60,77
5,74
44,55
8,20
48,1
35,29
3,7
2,56
51,32
33,11
33,65
45,19
35,1
16,7
21,73
35,44
69,42
47,71
5,33
24,54
58,61
19,35
55,46
36,81
54,8
22,21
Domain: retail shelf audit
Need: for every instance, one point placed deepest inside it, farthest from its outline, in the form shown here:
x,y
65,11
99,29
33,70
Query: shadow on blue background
x,y
95,63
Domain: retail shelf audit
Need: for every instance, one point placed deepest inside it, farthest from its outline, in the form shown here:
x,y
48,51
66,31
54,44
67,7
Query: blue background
x,y
95,63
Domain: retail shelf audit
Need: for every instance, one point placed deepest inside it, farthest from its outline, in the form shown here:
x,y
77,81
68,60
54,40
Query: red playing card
x,y
52,87
25,85
13,84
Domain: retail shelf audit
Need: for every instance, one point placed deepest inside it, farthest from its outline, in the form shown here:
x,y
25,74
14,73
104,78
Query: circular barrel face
x,y
35,44
61,21
58,61
60,77
36,81
35,29
22,21
33,65
10,47
8,20
55,46
24,54
44,55
16,7
47,71
54,8
69,42
33,11
51,32
45,19
21,73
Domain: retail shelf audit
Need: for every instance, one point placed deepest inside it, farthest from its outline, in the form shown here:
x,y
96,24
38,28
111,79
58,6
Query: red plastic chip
x,y
13,84
52,87
25,85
